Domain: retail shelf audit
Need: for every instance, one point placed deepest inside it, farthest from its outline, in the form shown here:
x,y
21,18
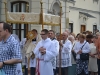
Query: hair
x,y
52,31
34,30
6,26
45,30
71,36
98,33
89,36
84,32
82,36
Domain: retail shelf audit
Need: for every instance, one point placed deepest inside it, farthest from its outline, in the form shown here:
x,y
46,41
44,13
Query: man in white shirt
x,y
51,35
45,51
65,54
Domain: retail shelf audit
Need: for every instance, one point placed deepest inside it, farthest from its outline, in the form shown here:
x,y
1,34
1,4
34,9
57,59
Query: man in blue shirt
x,y
9,50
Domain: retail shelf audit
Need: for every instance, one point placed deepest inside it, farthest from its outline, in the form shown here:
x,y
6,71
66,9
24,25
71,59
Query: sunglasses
x,y
42,34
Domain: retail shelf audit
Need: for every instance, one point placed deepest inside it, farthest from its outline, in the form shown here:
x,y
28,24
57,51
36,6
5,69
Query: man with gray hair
x,y
66,47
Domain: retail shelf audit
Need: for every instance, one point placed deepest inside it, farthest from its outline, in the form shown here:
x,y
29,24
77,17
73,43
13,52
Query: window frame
x,y
71,27
19,25
94,29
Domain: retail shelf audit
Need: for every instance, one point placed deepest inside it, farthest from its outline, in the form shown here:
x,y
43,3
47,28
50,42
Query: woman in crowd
x,y
81,47
92,59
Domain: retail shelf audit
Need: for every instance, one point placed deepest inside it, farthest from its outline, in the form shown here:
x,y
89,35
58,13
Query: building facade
x,y
77,15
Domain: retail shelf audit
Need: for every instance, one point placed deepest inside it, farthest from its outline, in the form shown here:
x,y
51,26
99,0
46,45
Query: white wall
x,y
87,6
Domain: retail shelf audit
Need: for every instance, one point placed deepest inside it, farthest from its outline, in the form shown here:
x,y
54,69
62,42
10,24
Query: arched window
x,y
20,29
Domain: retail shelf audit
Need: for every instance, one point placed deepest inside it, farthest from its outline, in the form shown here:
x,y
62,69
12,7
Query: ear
x,y
6,30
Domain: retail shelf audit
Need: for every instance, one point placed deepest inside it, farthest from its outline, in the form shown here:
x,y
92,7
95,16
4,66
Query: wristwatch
x,y
3,63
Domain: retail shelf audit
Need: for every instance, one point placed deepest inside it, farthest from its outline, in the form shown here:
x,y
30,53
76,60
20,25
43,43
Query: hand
x,y
93,56
1,64
79,52
60,43
43,52
41,49
33,55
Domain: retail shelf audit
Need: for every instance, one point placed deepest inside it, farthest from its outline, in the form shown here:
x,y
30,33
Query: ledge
x,y
71,1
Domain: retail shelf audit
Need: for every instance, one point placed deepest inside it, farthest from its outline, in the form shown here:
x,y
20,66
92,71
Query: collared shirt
x,y
65,54
9,49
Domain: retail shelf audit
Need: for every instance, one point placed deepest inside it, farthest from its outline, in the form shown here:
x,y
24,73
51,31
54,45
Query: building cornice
x,y
84,10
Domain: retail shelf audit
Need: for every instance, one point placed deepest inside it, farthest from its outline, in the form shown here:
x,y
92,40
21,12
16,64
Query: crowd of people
x,y
50,54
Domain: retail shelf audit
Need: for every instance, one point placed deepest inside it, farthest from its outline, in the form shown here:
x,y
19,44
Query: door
x,y
83,28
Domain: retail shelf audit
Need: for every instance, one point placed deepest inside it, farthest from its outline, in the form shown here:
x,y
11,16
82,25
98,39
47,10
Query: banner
x,y
21,17
33,18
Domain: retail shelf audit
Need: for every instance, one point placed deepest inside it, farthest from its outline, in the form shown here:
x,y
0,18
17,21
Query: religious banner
x,y
51,19
55,19
33,18
22,17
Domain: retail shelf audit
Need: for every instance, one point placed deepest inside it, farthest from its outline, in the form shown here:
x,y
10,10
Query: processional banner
x,y
33,18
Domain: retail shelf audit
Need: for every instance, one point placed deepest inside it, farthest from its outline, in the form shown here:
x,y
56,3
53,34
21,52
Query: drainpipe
x,y
0,9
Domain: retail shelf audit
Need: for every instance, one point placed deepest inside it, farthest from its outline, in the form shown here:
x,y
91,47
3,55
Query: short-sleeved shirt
x,y
9,49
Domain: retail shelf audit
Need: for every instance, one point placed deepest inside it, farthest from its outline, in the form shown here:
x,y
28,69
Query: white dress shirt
x,y
65,54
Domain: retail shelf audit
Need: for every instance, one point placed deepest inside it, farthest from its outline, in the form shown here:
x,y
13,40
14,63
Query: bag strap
x,y
73,46
83,45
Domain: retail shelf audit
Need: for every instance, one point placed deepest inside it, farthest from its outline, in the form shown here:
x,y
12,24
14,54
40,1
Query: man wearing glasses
x,y
45,52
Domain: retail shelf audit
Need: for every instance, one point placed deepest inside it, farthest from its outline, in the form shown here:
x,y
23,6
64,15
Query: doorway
x,y
83,28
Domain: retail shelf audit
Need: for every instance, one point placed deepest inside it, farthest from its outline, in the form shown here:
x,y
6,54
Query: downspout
x,y
0,9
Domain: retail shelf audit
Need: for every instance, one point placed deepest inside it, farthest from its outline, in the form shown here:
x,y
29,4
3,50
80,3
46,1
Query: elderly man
x,y
51,35
9,50
66,47
45,51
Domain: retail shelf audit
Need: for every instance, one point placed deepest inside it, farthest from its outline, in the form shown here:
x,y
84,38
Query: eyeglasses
x,y
42,34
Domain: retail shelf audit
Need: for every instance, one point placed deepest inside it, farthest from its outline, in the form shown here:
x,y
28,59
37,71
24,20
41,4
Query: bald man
x,y
66,47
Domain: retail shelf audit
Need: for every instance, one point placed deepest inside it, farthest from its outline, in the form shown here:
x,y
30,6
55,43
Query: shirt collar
x,y
48,39
8,39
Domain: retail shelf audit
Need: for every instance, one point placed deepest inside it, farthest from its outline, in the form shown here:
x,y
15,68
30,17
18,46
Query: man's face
x,y
2,31
51,35
35,34
64,36
43,35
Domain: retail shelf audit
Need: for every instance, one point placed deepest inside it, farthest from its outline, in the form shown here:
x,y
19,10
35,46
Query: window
x,y
19,29
94,28
71,27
